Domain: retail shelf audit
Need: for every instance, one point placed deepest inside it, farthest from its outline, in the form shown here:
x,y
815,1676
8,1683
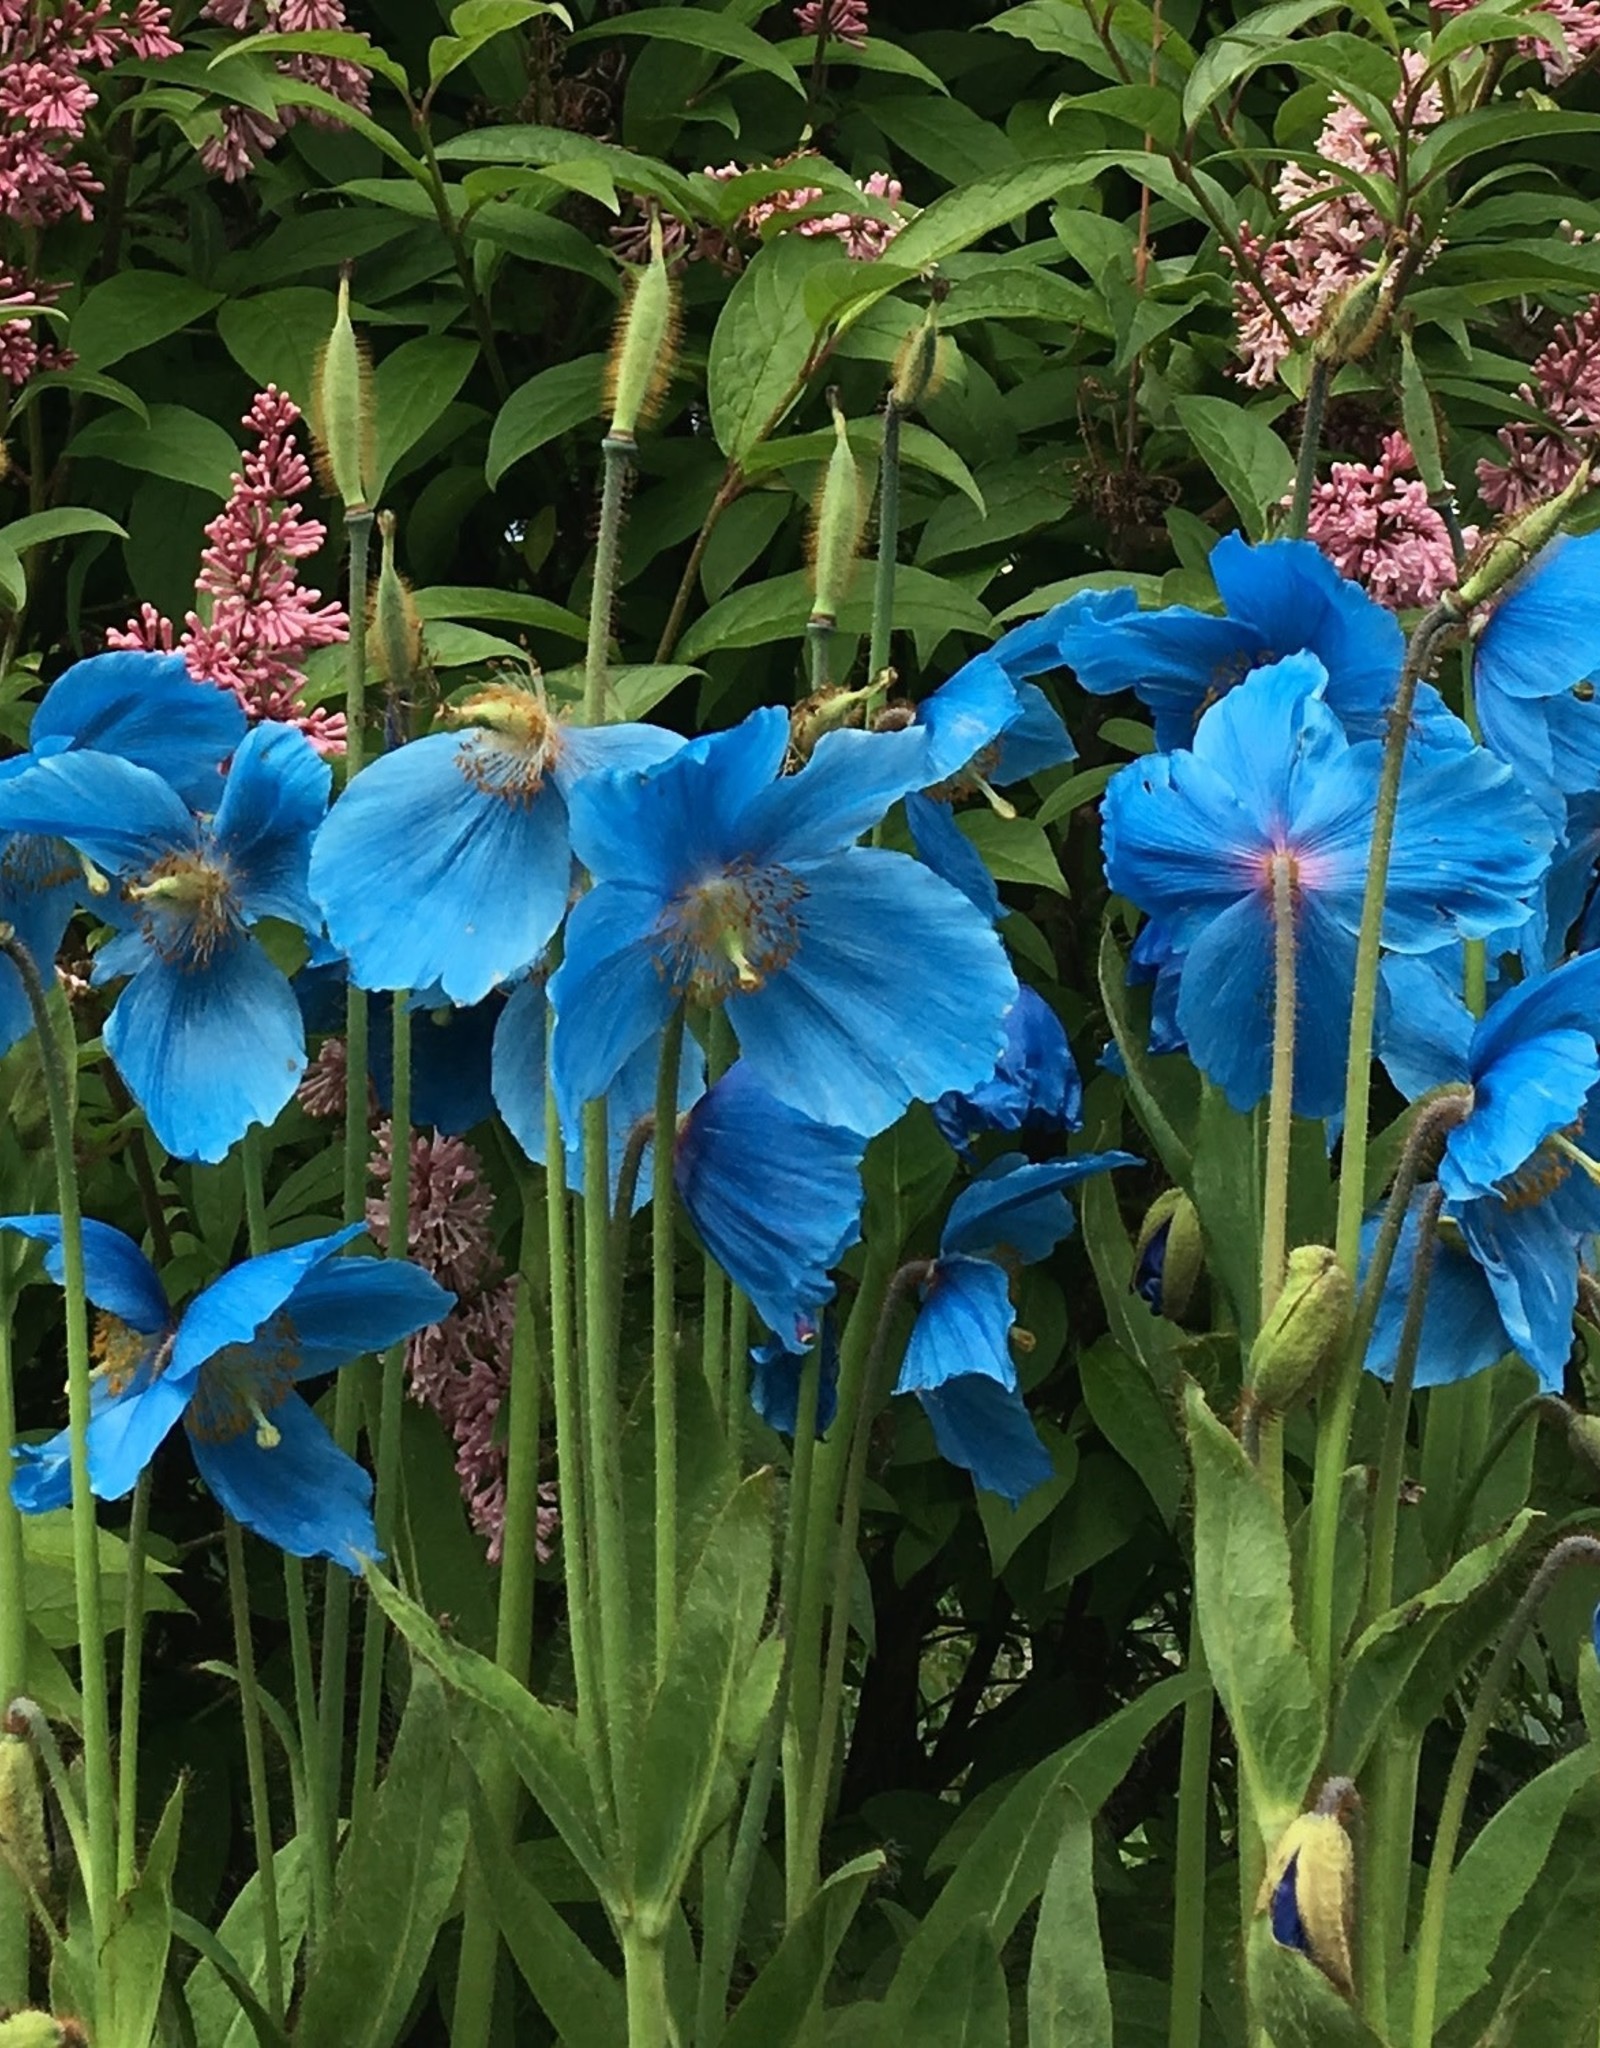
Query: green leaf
x,y
13,579
1131,1414
1469,135
276,337
1471,30
719,34
918,447
778,608
1071,795
91,383
528,143
688,1725
52,1595
1244,1595
222,1994
34,528
558,399
1231,56
411,389
345,44
1069,2002
132,310
1014,849
1007,1528
950,138
774,2011
178,443
1242,452
298,92
477,22
516,607
1299,2007
963,2002
1223,1185
958,219
397,1878
762,343
1158,1105
134,1965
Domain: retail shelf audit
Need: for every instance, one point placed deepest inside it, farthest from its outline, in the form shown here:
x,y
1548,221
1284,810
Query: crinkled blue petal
x,y
1568,998
775,1369
41,1475
775,1197
304,1495
236,1304
148,709
124,818
208,1050
896,992
987,1431
1470,850
1019,1206
1035,739
1532,1089
426,876
945,848
966,714
116,1274
1530,1260
125,1432
345,1308
1427,1029
1177,660
963,1326
1035,1084
1543,636
609,995
273,800
1462,1333
846,787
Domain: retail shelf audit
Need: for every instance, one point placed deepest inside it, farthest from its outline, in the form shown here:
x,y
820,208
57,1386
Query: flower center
x,y
118,1352
241,1386
973,780
513,744
725,936
185,907
1538,1177
28,862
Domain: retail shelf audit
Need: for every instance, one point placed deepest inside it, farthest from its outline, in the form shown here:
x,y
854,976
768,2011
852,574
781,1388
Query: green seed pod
x,y
918,368
1169,1256
644,344
1508,550
1351,323
1308,1326
22,1828
396,627
341,411
841,514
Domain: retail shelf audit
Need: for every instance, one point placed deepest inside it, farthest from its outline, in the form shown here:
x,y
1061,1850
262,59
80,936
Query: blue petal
x,y
207,1051
304,1495
124,818
39,885
1568,998
41,1477
1461,1329
116,1274
451,1051
595,749
1177,660
236,1304
775,1370
1428,1028
1530,1260
1544,635
1035,1084
274,799
1532,1089
1035,739
896,993
609,994
965,715
148,709
425,877
963,1328
345,1308
517,1071
1287,1927
945,848
1470,849
846,787
987,1431
1020,1207
775,1197
127,1430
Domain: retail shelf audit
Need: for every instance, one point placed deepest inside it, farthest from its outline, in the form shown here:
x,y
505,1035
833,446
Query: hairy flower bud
x,y
1351,323
396,626
841,513
1309,1887
1308,1326
1510,548
22,1829
919,363
644,343
341,411
1169,1255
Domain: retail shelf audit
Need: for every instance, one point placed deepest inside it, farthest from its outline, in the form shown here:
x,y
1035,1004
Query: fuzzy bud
x,y
841,513
22,1828
1307,1328
1583,1434
918,364
644,343
396,626
1309,1888
1353,321
1510,548
1169,1256
341,411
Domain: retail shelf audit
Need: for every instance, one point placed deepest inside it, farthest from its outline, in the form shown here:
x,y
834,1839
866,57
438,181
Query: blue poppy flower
x,y
775,1369
854,979
1532,667
1193,838
1281,598
775,1197
447,862
958,1360
1035,1084
450,1047
227,1368
1462,1329
207,1034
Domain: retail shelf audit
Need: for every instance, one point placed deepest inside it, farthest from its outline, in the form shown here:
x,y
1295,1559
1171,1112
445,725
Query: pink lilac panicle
x,y
1566,388
450,1211
1374,523
25,349
844,20
247,136
1578,20
864,235
260,623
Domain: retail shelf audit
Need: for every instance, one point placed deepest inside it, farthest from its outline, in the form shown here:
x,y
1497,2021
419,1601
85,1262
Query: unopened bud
x,y
1308,1327
1309,1888
1511,547
396,626
1352,322
341,411
39,2030
1583,1433
1169,1256
22,1829
841,513
644,343
918,364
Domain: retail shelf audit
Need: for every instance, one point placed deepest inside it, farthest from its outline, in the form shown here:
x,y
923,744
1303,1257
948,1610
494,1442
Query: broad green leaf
x,y
774,2011
1468,135
762,343
1007,1528
135,1959
1019,498
953,141
477,22
777,609
719,34
1069,2002
52,1596
877,53
299,92
558,399
516,607
1245,1597
132,310
411,389
223,1996
918,448
1014,850
1233,54
528,143
451,646
13,578
178,443
1242,452
1071,795
345,44
1299,2006
34,528
994,290
1472,29
906,1170
958,219
90,382
276,337
962,2003
1134,1418
1223,1185
397,1877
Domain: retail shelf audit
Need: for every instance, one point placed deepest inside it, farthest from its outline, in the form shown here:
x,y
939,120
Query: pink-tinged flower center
x,y
513,746
240,1387
185,907
726,935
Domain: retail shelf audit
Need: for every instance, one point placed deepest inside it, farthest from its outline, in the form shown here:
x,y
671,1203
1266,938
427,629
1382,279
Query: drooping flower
x,y
775,1197
1531,671
1281,598
447,863
246,134
855,980
227,1367
1035,1085
255,624
207,1034
958,1361
775,1369
1197,839
1374,523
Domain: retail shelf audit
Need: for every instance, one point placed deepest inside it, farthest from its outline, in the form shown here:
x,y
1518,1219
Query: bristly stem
x,y
1305,475
13,1653
819,649
617,457
128,1698
888,542
99,1877
1391,1463
612,1594
255,1765
1280,1111
1430,1933
1189,1873
664,1336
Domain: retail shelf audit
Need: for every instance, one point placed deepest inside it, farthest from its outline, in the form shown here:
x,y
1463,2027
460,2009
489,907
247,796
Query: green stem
x,y
714,1336
99,1878
664,1337
738,1398
613,1595
617,456
13,1662
1280,1112
819,647
1189,1874
132,1672
255,1757
1430,1933
644,1966
1305,475
1494,1451
1391,1463
888,542
461,256
319,1840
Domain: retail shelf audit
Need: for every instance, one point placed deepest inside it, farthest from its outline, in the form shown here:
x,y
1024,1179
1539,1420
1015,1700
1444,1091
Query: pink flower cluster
x,y
23,351
246,135
1578,20
1374,523
260,623
1335,237
461,1367
1566,373
844,20
863,235
45,96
